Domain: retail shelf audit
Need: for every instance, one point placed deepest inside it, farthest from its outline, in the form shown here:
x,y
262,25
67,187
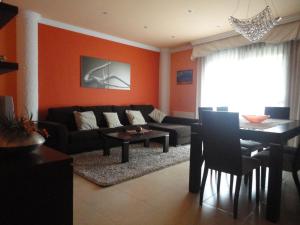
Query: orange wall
x,y
183,97
8,82
59,70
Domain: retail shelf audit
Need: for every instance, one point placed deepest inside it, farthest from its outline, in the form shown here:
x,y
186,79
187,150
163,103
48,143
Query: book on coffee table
x,y
143,131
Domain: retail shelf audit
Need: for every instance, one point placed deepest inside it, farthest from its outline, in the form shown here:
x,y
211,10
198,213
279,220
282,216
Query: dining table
x,y
273,133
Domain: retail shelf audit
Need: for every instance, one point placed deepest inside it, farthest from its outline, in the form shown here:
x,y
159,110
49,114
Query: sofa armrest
x,y
179,120
58,135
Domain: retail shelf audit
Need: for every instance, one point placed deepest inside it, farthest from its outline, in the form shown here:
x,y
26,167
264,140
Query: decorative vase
x,y
139,129
20,144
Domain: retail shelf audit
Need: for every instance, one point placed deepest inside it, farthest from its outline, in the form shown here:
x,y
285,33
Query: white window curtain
x,y
245,79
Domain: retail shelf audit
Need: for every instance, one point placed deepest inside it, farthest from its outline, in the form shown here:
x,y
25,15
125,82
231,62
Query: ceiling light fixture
x,y
257,26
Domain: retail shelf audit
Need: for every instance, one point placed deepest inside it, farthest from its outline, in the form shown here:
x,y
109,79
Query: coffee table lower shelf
x,y
126,138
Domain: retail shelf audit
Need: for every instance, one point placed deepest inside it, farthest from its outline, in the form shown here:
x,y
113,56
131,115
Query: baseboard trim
x,y
184,114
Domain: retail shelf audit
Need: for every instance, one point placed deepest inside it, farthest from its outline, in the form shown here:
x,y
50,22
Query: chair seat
x,y
252,145
289,150
288,159
246,151
286,149
249,164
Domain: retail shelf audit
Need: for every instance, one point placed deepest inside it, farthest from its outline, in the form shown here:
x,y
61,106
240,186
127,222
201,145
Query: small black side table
x,y
36,188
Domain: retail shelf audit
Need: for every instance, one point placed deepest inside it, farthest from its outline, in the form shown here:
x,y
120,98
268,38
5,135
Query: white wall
x,y
164,80
27,57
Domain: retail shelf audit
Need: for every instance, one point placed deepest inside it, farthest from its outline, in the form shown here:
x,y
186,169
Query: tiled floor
x,y
162,198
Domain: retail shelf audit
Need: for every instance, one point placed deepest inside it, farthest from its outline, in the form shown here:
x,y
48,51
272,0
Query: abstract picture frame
x,y
184,77
103,73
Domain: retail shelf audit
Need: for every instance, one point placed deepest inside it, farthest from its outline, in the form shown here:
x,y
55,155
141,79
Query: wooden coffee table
x,y
125,138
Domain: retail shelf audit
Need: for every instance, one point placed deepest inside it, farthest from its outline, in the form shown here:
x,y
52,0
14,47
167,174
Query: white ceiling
x,y
169,23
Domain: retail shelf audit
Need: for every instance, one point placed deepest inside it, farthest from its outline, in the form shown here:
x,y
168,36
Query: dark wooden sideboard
x,y
36,188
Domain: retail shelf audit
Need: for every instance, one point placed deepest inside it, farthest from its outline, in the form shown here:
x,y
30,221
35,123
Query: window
x,y
246,79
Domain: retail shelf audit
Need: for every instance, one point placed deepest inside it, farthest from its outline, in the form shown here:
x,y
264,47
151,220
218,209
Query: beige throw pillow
x,y
157,115
112,119
135,117
85,120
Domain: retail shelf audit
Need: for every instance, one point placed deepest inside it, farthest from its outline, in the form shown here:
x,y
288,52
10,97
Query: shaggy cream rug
x,y
108,170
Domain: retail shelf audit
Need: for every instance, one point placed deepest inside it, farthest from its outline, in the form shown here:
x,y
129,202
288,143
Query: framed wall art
x,y
184,77
102,73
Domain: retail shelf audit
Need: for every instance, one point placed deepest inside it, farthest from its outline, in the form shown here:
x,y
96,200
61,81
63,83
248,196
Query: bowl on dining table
x,y
256,118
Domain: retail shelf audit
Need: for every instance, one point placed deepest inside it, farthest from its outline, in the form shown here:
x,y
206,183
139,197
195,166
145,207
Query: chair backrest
x,y
296,163
222,108
278,112
201,109
221,141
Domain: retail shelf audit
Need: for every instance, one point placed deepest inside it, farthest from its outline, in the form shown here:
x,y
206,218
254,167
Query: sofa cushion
x,y
145,110
174,129
121,113
85,120
84,136
112,119
157,115
98,111
135,117
64,115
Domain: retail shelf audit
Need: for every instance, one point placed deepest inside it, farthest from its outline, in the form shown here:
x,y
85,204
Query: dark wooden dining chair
x,y
201,109
282,113
291,162
250,145
222,151
278,112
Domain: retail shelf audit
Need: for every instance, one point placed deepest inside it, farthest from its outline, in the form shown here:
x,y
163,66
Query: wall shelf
x,y
7,12
6,67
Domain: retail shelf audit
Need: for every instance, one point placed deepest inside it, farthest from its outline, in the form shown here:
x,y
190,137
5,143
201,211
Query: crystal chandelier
x,y
256,27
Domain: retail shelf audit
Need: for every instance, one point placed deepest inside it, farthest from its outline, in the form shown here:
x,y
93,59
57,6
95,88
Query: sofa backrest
x,y
121,113
64,115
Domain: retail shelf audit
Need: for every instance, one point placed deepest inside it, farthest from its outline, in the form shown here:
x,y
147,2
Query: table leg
x,y
196,160
146,143
106,148
275,181
125,152
166,144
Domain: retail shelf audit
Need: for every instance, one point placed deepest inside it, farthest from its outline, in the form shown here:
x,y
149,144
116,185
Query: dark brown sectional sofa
x,y
65,137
